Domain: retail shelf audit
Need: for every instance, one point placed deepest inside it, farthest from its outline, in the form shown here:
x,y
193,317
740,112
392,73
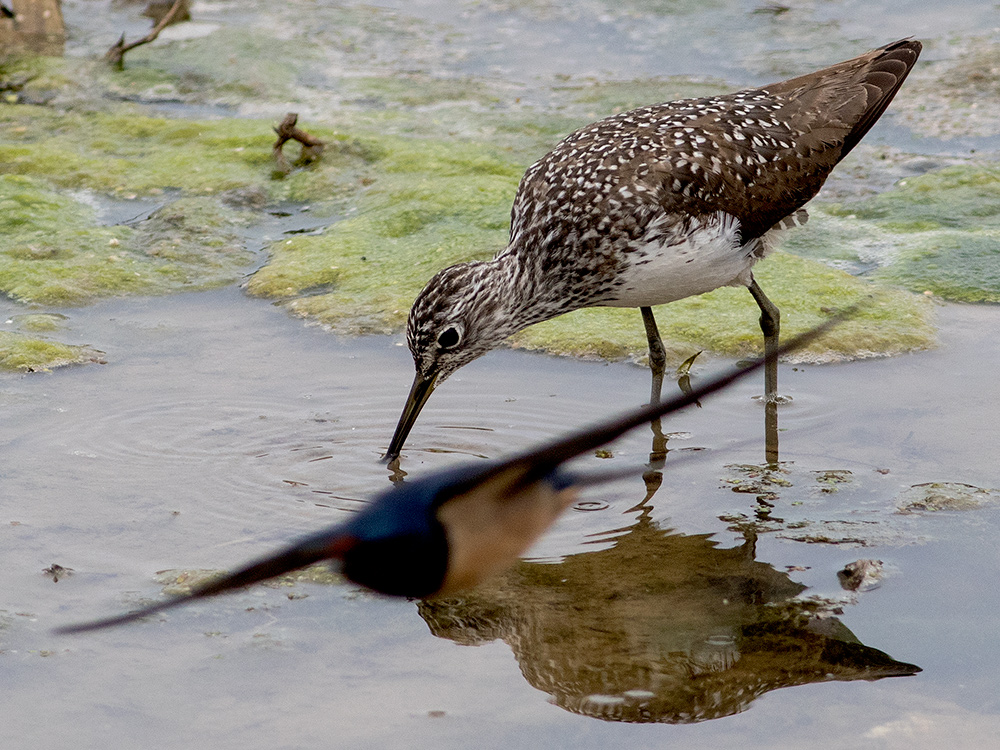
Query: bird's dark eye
x,y
448,338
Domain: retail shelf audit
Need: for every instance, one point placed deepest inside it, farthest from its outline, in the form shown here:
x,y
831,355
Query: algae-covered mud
x,y
20,352
936,231
441,193
242,336
412,207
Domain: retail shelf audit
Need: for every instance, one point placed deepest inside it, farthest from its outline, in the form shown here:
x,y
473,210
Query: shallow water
x,y
220,428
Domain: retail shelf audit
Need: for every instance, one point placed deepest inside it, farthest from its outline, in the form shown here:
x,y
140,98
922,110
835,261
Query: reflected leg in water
x,y
770,325
771,433
657,366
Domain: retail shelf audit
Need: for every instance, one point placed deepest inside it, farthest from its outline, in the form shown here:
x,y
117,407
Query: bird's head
x,y
397,545
462,313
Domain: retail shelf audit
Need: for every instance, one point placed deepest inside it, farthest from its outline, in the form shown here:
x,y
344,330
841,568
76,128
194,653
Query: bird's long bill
x,y
419,393
328,544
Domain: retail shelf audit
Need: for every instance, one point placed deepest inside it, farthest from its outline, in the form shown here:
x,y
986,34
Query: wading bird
x,y
651,206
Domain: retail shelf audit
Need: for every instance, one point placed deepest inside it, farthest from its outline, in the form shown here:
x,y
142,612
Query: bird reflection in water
x,y
659,627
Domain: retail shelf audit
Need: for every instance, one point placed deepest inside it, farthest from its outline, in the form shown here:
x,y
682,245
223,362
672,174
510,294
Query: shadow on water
x,y
661,627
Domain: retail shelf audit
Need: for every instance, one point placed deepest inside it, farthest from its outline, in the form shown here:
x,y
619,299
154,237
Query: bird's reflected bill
x,y
419,393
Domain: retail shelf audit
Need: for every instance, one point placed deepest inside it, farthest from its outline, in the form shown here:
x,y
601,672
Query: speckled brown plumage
x,y
654,205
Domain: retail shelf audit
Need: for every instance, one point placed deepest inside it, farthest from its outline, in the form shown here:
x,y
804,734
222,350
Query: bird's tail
x,y
327,544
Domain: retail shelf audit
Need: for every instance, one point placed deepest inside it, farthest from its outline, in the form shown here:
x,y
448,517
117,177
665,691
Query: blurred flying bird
x,y
453,528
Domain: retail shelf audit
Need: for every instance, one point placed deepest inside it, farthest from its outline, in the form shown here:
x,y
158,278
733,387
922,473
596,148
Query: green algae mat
x,y
405,194
410,206
420,170
937,232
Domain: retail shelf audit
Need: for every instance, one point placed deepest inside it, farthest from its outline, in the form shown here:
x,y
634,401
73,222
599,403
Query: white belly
x,y
708,257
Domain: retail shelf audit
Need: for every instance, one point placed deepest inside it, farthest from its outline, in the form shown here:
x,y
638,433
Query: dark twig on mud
x,y
312,147
116,55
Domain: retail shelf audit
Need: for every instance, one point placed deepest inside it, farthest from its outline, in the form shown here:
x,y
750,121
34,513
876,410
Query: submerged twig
x,y
116,55
312,146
